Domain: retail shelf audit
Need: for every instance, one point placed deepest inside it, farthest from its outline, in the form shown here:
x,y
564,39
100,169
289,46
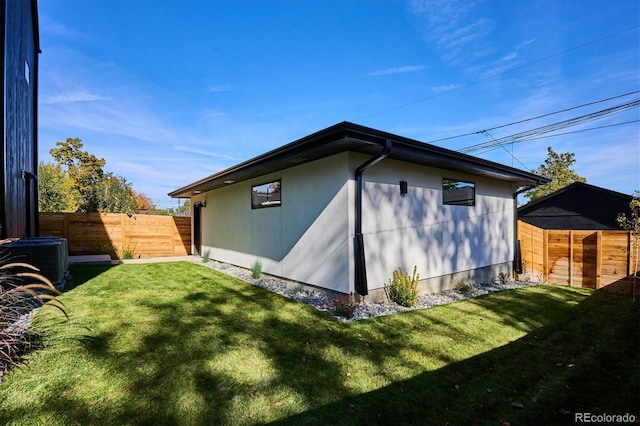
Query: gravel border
x,y
323,301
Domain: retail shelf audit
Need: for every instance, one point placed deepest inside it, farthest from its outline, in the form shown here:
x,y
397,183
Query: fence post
x,y
123,230
570,258
173,233
65,226
632,262
545,255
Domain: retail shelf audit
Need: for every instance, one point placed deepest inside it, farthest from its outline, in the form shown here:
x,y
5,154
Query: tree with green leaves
x,y
632,224
144,203
80,176
84,169
117,195
56,189
556,167
181,210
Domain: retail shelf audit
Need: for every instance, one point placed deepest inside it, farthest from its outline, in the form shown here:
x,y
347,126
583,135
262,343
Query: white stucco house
x,y
342,208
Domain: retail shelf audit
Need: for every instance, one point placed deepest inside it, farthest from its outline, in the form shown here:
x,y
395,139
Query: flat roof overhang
x,y
346,136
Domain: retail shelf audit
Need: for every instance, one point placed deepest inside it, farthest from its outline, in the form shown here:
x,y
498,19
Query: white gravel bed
x,y
323,301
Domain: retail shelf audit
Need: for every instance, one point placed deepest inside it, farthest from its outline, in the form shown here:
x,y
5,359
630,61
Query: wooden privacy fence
x,y
589,259
120,235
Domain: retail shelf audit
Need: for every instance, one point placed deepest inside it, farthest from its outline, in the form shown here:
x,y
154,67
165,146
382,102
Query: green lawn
x,y
178,343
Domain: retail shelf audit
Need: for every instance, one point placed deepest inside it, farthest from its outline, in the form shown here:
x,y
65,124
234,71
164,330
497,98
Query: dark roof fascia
x,y
293,150
347,136
407,149
570,187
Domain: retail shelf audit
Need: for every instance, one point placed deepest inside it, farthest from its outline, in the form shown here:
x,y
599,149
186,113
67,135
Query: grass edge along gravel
x,y
177,343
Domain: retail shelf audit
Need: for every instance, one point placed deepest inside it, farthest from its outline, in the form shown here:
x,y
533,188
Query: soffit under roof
x,y
345,137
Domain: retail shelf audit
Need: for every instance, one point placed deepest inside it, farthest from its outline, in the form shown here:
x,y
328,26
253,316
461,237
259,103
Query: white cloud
x,y
109,118
81,96
525,43
446,88
222,88
397,70
206,153
463,35
49,26
451,27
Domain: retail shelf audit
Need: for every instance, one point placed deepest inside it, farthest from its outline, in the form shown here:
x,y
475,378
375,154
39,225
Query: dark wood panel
x,y
19,194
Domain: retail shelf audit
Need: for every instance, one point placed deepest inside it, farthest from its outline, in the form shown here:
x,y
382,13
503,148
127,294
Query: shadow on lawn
x,y
201,356
80,274
590,364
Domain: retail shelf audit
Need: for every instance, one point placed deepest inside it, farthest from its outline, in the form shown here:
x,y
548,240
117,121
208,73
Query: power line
x,y
537,61
567,133
561,111
534,118
513,157
553,127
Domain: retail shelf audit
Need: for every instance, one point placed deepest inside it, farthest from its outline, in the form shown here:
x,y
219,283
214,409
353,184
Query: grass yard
x,y
178,343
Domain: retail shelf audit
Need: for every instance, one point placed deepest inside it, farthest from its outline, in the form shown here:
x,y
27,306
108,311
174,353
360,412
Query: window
x,y
265,195
458,193
27,72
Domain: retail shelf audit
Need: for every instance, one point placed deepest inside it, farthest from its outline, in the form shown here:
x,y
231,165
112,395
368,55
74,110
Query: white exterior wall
x,y
307,238
418,230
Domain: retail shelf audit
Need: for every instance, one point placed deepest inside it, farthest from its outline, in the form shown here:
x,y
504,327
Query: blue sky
x,y
171,91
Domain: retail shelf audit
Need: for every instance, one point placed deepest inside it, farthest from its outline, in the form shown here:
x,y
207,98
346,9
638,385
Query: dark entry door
x,y
197,229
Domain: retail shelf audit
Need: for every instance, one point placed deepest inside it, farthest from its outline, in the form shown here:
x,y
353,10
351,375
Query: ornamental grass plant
x,y
402,288
22,290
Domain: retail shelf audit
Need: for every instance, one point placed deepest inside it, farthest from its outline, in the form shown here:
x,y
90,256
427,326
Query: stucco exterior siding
x,y
419,230
309,237
306,238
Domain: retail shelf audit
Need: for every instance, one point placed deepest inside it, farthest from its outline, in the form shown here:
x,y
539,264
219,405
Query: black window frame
x,y
467,202
265,205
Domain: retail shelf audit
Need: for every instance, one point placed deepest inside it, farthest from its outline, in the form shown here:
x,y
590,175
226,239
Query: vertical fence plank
x,y
570,266
124,241
66,227
599,260
545,254
630,253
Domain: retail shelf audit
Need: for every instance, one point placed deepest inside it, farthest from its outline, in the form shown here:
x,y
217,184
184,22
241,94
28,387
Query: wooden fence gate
x,y
589,259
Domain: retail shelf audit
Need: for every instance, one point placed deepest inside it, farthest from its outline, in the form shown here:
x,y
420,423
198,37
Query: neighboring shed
x,y
19,147
344,207
578,206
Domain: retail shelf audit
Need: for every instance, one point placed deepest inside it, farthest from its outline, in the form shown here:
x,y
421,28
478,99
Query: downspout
x,y
36,189
29,178
359,259
517,253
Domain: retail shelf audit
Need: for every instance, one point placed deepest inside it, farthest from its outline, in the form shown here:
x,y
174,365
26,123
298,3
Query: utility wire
x,y
513,157
553,127
561,111
565,133
533,118
537,61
